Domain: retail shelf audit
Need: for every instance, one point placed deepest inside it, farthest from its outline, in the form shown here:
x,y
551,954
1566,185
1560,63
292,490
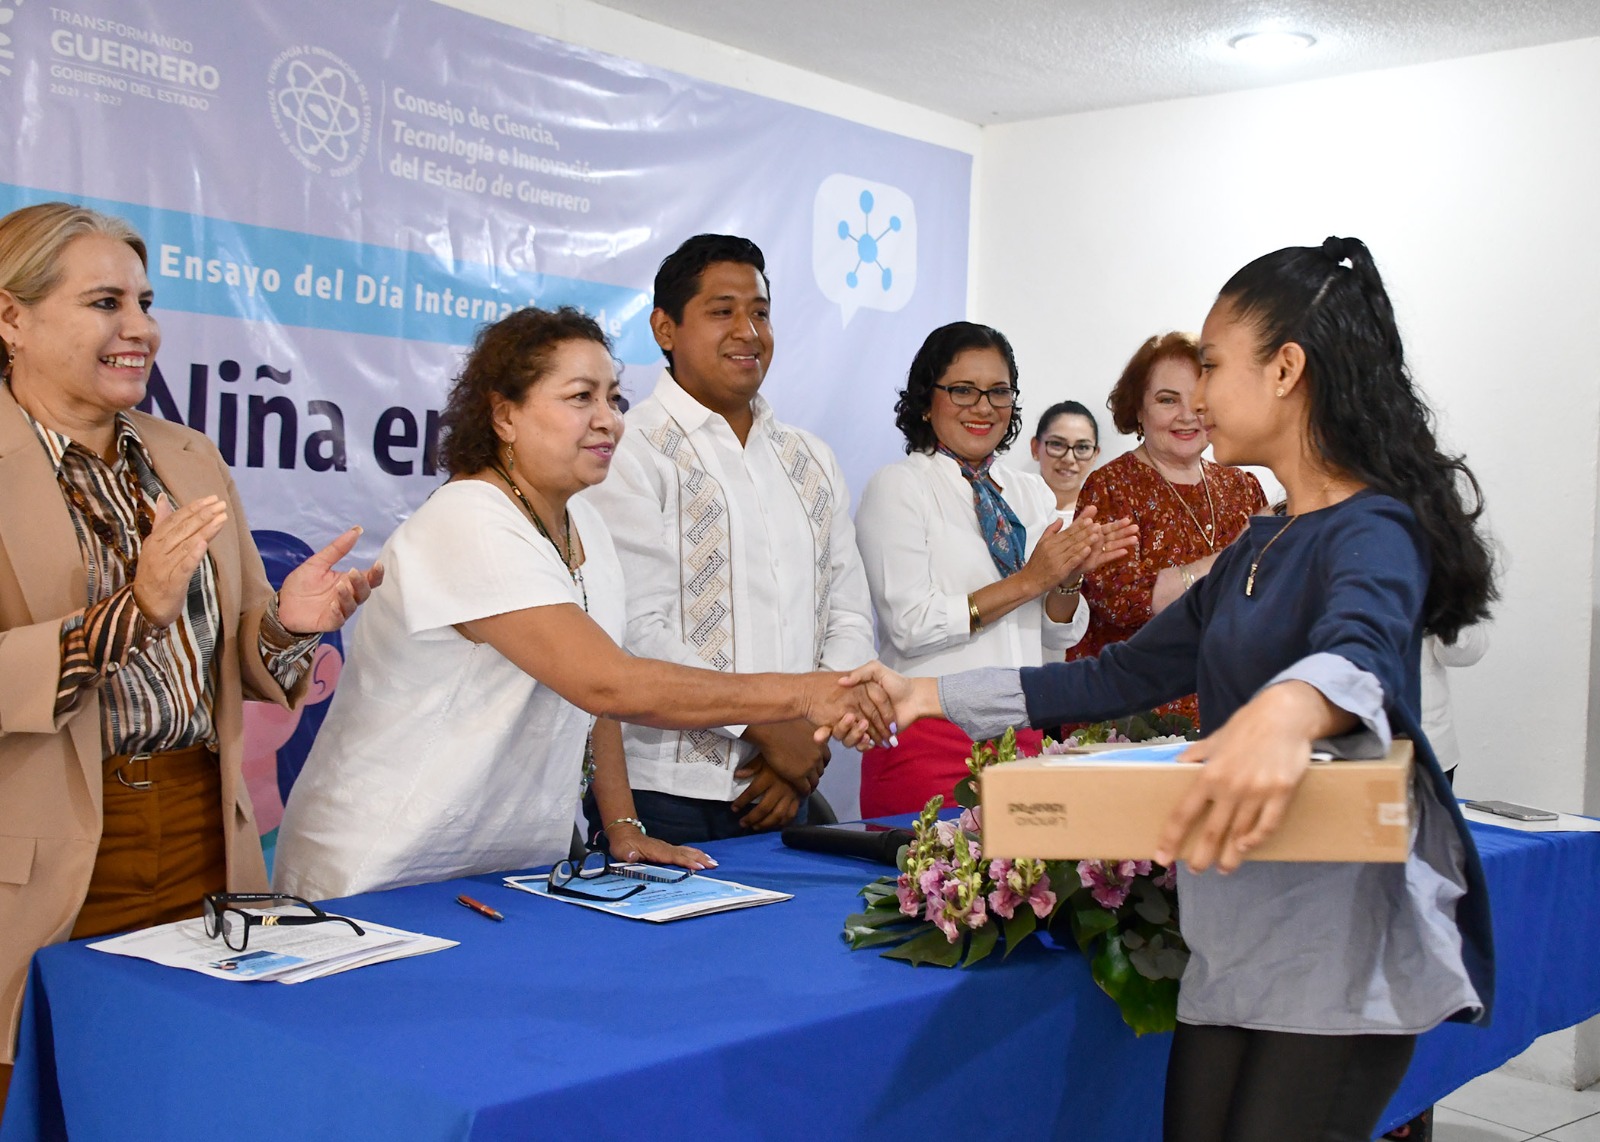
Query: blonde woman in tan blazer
x,y
125,561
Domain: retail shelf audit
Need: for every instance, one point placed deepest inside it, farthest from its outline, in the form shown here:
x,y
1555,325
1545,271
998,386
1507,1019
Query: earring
x,y
1280,390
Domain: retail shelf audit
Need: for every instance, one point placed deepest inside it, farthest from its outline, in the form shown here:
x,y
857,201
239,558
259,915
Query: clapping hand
x,y
1115,540
315,597
170,553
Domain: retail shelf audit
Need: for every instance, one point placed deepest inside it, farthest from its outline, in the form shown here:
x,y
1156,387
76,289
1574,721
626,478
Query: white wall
x,y
1475,183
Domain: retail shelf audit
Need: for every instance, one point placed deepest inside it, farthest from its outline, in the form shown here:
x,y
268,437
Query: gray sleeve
x,y
1353,690
984,703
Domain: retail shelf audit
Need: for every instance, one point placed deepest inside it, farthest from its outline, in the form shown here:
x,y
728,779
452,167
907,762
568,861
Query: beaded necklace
x,y
566,527
1206,532
587,777
144,519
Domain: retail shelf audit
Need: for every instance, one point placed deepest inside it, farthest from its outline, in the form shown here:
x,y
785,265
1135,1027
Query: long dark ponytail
x,y
1367,419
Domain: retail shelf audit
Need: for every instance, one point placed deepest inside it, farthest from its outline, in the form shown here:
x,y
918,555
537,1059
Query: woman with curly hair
x,y
1187,508
966,559
482,692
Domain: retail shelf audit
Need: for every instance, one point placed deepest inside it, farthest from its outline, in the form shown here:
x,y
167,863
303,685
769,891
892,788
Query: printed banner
x,y
337,196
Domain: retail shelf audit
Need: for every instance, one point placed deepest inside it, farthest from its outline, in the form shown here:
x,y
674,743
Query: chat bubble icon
x,y
863,244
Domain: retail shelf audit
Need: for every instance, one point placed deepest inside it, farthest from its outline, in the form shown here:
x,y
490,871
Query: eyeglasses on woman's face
x,y
966,396
1055,448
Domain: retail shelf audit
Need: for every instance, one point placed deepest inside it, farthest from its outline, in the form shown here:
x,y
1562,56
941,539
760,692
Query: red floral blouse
x,y
1173,520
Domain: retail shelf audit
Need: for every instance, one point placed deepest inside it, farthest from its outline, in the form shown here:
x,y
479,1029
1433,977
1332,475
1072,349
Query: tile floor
x,y
1498,1107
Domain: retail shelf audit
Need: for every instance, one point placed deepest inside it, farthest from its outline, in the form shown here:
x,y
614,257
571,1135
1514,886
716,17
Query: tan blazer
x,y
50,768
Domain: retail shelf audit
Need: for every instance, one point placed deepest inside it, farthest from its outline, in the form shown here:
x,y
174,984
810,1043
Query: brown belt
x,y
143,770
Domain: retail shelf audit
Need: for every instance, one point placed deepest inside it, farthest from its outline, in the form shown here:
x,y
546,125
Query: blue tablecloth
x,y
563,1022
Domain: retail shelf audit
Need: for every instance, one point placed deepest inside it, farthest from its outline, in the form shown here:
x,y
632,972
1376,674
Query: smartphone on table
x,y
1512,811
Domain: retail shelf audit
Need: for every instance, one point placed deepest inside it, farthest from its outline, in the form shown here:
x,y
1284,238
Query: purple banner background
x,y
337,195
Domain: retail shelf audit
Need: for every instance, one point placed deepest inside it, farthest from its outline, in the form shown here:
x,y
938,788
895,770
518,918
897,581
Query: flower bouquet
x,y
950,907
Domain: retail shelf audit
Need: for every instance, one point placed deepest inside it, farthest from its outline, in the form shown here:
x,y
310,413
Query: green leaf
x,y
1146,1004
966,792
859,938
876,919
1093,920
929,948
1149,1004
981,943
1021,925
1150,902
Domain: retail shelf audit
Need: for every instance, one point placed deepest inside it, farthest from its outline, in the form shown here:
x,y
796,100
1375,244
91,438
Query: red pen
x,y
479,907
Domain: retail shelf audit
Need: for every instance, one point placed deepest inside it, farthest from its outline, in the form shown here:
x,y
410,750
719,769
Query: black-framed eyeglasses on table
x,y
595,876
232,924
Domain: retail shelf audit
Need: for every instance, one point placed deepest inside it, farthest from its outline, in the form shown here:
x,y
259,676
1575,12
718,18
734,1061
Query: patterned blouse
x,y
156,685
1173,524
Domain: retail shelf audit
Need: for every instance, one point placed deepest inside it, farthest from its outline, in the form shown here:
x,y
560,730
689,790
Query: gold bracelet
x,y
1186,575
634,821
1071,588
974,619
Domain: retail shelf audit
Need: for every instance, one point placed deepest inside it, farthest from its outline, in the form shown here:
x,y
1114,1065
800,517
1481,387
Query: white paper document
x,y
287,955
692,896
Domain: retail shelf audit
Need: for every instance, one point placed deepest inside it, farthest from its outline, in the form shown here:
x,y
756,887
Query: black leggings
x,y
1228,1084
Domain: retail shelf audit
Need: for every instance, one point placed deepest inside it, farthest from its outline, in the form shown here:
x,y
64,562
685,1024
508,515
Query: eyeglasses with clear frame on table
x,y
231,924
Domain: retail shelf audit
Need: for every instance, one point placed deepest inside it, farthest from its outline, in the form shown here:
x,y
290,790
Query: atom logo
x,y
867,248
320,108
314,102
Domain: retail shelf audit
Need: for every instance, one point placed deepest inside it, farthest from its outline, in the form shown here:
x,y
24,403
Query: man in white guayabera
x,y
736,543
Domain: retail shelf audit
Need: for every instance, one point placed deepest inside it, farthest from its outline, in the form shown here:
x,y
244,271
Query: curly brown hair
x,y
507,358
1127,395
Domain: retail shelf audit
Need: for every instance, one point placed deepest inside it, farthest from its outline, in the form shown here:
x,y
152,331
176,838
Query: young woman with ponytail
x,y
1308,983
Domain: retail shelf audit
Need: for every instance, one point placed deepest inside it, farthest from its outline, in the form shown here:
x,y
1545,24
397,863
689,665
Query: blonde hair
x,y
31,242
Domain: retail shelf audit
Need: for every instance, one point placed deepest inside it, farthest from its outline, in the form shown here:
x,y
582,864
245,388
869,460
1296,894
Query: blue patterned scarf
x,y
1002,530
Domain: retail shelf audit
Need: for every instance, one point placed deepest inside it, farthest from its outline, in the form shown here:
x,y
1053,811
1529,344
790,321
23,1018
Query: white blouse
x,y
440,757
918,534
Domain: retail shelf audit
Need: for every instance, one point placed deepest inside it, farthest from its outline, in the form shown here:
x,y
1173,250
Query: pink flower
x,y
931,882
1004,899
947,833
1041,899
1103,881
971,820
1168,878
910,897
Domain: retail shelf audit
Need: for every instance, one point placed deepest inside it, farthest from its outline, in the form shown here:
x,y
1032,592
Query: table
x,y
563,1022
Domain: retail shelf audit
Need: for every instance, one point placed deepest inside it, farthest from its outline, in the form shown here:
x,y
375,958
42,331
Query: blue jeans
x,y
682,820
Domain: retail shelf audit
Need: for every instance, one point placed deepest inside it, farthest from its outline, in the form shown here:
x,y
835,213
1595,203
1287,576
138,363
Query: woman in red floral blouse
x,y
1187,508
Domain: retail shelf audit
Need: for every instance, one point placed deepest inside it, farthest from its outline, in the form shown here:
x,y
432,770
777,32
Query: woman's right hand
x,y
911,698
170,553
856,715
1062,551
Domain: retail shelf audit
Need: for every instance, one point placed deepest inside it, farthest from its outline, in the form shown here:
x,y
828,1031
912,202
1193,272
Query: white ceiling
x,y
999,61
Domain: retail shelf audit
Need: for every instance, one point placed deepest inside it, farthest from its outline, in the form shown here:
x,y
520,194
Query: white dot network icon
x,y
863,244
